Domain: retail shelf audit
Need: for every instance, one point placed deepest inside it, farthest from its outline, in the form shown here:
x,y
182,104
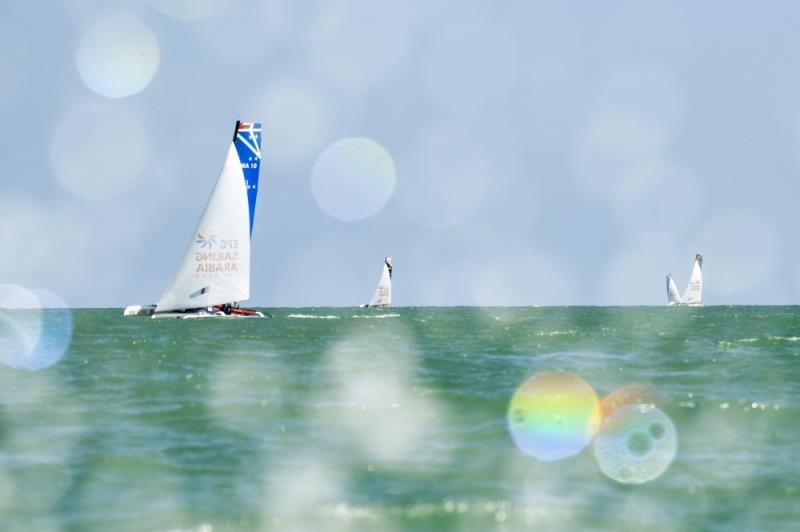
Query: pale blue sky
x,y
545,152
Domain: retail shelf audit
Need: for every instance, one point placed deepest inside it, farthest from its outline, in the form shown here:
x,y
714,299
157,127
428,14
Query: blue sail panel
x,y
248,145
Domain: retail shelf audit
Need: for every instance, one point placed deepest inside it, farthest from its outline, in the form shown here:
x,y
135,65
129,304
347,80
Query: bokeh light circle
x,y
42,426
35,327
142,489
245,393
373,395
298,486
118,56
93,163
353,179
553,415
636,444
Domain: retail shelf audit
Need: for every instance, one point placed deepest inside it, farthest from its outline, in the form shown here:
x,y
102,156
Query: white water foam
x,y
376,316
313,317
784,338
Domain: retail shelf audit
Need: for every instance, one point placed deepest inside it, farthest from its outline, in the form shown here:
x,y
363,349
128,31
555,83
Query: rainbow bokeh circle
x,y
553,415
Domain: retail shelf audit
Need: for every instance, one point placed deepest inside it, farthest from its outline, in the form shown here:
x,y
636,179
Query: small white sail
x,y
383,294
673,297
694,290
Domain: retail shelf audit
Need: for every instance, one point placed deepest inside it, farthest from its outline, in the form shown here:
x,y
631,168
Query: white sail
x,y
215,269
383,294
216,266
673,297
694,290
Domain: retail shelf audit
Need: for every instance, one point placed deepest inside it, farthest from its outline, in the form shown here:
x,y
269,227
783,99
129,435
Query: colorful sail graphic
x,y
248,146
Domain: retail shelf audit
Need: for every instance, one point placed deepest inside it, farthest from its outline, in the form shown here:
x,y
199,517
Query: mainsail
x,y
215,268
673,297
694,290
383,294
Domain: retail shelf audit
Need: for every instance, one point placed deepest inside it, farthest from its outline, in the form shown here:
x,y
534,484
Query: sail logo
x,y
208,240
215,255
216,262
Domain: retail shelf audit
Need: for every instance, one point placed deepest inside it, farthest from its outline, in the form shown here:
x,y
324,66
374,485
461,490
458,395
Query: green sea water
x,y
389,419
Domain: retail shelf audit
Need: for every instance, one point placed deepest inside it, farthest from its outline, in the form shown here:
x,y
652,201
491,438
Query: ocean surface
x,y
390,419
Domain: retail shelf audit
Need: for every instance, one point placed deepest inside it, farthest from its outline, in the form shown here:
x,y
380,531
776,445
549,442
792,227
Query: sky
x,y
514,153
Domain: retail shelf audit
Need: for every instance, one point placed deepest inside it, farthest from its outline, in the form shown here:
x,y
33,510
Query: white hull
x,y
139,310
202,313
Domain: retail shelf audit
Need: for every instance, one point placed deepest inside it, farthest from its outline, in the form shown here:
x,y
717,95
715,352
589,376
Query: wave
x,y
764,339
376,316
556,333
313,316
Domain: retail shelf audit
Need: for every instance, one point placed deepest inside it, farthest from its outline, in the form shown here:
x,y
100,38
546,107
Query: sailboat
x,y
214,274
692,296
383,294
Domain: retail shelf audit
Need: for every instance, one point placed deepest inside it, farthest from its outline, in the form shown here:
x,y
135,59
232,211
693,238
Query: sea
x,y
394,419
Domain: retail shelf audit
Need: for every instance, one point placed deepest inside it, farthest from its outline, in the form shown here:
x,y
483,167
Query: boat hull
x,y
139,310
202,313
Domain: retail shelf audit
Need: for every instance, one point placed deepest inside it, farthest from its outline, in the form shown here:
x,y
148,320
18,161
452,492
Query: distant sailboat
x,y
693,295
383,294
214,274
673,297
